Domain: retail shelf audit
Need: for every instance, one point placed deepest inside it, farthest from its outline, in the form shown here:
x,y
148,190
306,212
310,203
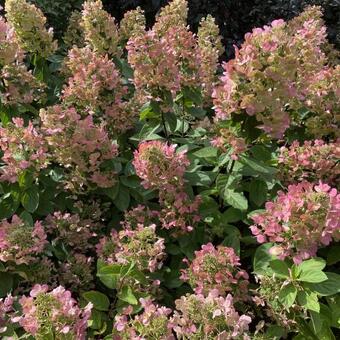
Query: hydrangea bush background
x,y
149,191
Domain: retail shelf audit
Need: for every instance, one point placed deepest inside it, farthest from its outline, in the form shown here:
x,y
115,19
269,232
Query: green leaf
x,y
193,94
207,152
112,192
30,199
280,268
122,201
309,301
99,300
328,287
27,217
258,191
232,239
200,178
150,110
235,199
257,169
96,319
126,294
8,206
262,259
287,295
311,271
196,112
232,215
316,264
25,179
57,175
6,283
110,275
333,254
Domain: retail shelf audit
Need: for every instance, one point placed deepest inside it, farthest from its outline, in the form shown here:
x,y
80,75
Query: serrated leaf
x,y
258,192
235,199
112,192
280,268
207,152
309,301
126,294
110,275
311,271
262,259
331,286
200,178
122,201
99,300
30,199
232,215
287,295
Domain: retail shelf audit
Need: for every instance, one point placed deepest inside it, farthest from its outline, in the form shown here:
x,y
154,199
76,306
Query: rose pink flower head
x,y
300,221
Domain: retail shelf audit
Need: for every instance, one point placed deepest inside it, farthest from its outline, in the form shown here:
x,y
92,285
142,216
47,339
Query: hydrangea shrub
x,y
150,191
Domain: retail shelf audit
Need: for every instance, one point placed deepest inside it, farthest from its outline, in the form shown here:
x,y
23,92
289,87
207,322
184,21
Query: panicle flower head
x,y
322,97
92,76
71,230
95,87
19,85
140,215
24,149
154,64
210,48
217,268
228,138
152,323
10,50
74,35
77,272
164,64
41,271
158,164
160,167
140,245
80,146
267,297
107,247
211,317
132,24
100,29
179,212
29,24
312,161
300,221
271,73
6,309
20,242
53,313
174,14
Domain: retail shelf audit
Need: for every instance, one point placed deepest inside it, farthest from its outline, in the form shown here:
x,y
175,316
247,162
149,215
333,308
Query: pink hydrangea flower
x,y
80,146
152,323
160,167
140,245
266,77
215,316
55,312
23,148
313,161
218,269
300,221
20,242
